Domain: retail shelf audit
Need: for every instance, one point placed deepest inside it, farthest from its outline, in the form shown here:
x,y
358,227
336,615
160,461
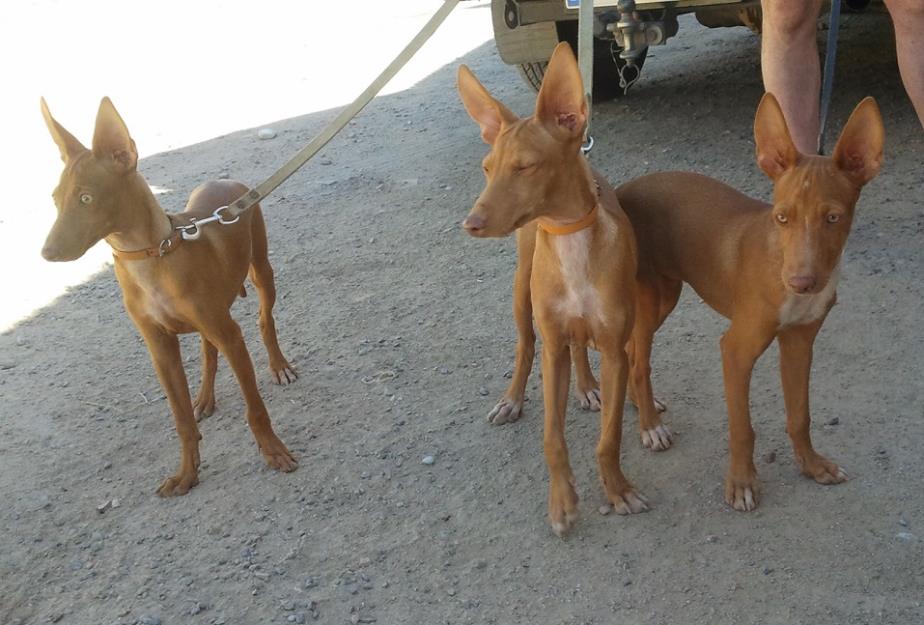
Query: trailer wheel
x,y
607,65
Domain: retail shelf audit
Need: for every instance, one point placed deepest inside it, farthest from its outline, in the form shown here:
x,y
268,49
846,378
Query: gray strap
x,y
827,83
330,131
586,58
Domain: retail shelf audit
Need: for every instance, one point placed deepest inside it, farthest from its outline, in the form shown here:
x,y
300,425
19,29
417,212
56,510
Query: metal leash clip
x,y
192,231
587,146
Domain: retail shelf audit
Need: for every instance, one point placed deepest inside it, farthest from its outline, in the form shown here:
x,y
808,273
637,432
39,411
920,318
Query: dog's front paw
x,y
278,456
506,410
820,469
657,438
563,505
178,484
204,406
629,502
589,398
283,373
741,491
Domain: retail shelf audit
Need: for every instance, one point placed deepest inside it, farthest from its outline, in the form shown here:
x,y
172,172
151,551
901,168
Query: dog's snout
x,y
50,252
802,284
474,223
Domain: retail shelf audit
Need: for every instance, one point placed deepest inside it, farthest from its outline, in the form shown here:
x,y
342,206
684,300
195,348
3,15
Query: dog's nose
x,y
50,253
802,284
473,223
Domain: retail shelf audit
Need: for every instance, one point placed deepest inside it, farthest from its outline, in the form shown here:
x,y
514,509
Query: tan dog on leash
x,y
169,287
771,269
582,277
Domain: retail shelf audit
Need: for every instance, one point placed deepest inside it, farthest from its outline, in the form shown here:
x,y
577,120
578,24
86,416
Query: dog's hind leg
x,y
261,274
223,332
204,405
655,300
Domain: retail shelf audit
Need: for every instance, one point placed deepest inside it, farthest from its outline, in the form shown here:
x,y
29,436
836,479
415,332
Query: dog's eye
x,y
780,217
85,198
833,218
523,167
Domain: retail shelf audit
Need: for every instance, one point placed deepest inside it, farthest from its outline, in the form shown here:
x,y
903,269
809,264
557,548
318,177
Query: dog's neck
x,y
142,223
575,215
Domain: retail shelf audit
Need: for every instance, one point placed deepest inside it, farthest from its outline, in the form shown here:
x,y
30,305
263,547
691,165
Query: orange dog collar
x,y
557,229
166,246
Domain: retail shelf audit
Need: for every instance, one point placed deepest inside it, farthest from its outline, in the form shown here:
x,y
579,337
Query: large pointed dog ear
x,y
775,150
67,144
561,104
487,112
111,139
858,152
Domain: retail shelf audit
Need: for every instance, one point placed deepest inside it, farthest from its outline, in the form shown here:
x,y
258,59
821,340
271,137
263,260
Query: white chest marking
x,y
159,307
802,309
581,298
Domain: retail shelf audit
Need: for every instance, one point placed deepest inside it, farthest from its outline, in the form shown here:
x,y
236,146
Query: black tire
x,y
606,64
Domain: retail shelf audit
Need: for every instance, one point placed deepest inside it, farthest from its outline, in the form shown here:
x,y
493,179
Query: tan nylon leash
x,y
330,131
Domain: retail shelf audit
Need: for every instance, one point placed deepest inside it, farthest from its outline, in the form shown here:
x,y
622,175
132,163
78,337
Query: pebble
x,y
903,522
149,620
482,391
905,537
711,538
288,606
833,421
427,460
310,582
266,133
326,161
196,609
223,175
770,457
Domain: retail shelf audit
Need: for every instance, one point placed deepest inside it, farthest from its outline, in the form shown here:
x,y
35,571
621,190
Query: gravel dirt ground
x,y
400,327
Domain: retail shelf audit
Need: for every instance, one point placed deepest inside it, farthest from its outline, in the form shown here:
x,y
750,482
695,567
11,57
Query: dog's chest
x,y
580,298
151,302
159,308
802,309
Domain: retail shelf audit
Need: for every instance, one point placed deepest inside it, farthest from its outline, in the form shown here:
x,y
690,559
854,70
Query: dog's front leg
x,y
510,407
795,367
165,354
556,374
742,344
614,374
226,335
